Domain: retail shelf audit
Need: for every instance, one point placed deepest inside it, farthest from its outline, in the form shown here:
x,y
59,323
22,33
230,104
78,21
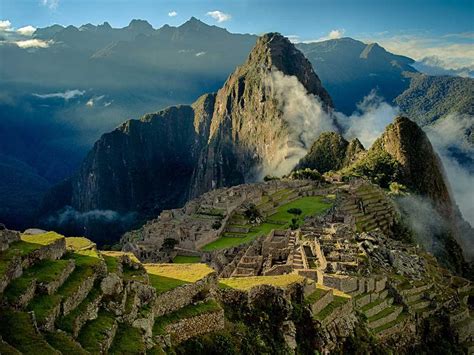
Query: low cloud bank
x,y
66,95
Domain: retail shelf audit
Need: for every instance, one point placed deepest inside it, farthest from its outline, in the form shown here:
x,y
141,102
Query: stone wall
x,y
342,283
7,237
194,326
183,295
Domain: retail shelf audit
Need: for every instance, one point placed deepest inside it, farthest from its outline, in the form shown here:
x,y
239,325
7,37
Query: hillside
x,y
343,276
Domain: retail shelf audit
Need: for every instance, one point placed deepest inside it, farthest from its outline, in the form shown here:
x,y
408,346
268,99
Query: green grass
x,y
336,303
44,272
309,205
165,277
79,243
95,331
66,323
6,349
112,263
64,343
17,330
245,283
402,317
316,295
85,261
382,314
16,250
185,312
42,239
181,259
128,340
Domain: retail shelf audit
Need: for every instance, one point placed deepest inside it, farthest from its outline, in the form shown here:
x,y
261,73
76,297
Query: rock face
x,y
331,152
421,167
222,139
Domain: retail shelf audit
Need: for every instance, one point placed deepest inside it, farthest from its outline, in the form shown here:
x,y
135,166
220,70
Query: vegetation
x,y
337,302
181,259
79,243
245,283
309,206
64,343
305,174
189,311
316,295
252,213
96,331
168,244
16,328
295,211
128,340
165,277
377,165
42,238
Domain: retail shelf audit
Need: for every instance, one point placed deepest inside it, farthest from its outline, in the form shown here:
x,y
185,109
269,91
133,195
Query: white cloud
x,y
33,43
335,34
51,4
67,95
5,25
92,101
305,117
26,31
172,14
219,16
452,51
200,54
369,120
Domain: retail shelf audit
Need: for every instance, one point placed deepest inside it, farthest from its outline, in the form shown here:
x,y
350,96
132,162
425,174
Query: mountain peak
x,y
274,51
140,25
194,23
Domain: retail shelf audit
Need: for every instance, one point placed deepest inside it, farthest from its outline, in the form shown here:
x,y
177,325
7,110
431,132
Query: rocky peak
x,y
273,50
141,26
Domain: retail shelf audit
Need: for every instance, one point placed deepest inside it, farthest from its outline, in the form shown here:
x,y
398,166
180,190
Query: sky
x,y
432,30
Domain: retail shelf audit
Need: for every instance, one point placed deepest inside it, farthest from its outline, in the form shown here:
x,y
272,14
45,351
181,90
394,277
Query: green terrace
x,y
64,343
45,271
246,283
27,245
166,277
188,311
181,259
95,332
337,302
128,340
86,262
281,219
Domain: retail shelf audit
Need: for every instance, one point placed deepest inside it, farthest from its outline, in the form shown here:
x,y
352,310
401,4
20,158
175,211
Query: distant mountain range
x,y
55,102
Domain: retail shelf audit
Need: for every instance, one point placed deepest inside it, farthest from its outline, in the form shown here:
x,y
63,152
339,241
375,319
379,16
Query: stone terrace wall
x,y
183,295
190,327
7,237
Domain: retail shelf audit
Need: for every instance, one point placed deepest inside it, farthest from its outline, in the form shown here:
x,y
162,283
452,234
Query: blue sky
x,y
411,27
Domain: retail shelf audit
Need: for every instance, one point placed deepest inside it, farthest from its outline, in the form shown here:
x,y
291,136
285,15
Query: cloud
x,y
436,66
33,43
335,34
172,13
51,4
368,122
67,95
26,31
92,101
219,16
449,138
305,117
200,54
5,25
452,51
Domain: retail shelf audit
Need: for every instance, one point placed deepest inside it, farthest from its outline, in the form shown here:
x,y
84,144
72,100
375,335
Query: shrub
x,y
306,174
295,211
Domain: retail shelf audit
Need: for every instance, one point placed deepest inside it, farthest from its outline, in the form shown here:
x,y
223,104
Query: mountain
x,y
331,152
223,139
403,154
431,98
351,69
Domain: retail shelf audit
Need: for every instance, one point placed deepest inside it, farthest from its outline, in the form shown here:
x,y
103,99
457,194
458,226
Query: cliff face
x,y
222,139
146,164
421,167
248,130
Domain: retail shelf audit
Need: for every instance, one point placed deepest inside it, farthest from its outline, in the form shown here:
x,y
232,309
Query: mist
x,y
305,117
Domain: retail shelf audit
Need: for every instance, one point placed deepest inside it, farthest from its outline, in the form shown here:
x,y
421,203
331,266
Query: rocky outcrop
x,y
331,152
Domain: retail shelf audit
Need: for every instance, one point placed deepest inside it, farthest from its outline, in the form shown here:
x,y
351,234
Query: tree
x,y
295,211
168,244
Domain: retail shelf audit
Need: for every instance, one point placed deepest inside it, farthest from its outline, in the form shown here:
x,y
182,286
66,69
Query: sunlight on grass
x,y
245,283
